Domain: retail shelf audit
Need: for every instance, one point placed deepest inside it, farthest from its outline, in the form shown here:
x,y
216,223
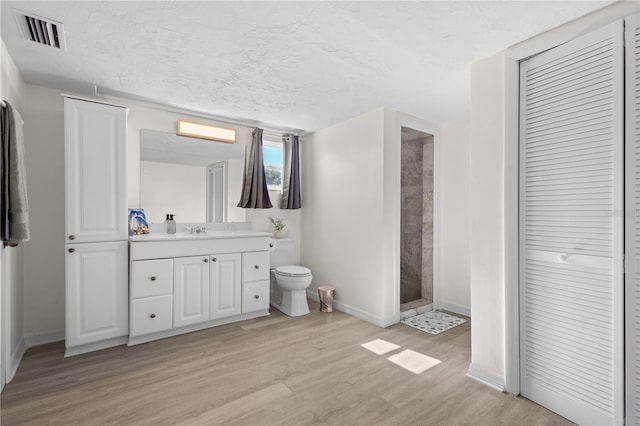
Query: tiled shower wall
x,y
416,226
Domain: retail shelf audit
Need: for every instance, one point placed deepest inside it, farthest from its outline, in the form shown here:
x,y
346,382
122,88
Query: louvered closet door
x,y
632,144
571,228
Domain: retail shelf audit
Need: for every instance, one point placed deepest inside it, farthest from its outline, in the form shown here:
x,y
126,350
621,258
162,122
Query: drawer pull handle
x,y
71,250
72,237
152,278
214,259
256,296
206,260
256,266
152,316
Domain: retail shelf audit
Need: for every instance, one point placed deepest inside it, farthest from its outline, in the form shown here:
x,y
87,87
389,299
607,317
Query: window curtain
x,y
14,210
291,173
254,183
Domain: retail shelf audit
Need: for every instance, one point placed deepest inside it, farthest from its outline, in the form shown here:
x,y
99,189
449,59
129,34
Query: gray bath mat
x,y
433,322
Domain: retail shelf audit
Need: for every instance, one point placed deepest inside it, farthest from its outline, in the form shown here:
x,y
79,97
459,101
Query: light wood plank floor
x,y
269,371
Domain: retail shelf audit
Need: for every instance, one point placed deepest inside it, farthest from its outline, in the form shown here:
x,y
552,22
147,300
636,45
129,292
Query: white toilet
x,y
289,282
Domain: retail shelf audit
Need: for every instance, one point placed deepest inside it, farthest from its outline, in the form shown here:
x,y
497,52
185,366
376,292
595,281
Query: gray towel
x,y
16,222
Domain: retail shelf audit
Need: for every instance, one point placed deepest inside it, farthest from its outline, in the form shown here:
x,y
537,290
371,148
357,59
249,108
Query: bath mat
x,y
433,322
413,361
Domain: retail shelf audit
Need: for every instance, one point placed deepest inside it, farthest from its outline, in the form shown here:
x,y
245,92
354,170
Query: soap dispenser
x,y
171,224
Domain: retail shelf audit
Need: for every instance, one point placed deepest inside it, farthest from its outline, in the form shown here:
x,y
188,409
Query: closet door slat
x,y
571,228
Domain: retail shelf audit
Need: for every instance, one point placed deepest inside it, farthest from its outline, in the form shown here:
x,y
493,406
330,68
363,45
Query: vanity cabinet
x,y
185,284
96,309
190,290
151,291
95,171
226,285
96,276
255,281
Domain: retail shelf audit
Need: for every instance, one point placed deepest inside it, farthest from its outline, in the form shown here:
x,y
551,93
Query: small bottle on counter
x,y
171,224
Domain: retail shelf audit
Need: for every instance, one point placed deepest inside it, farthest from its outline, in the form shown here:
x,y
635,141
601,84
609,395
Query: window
x,y
273,158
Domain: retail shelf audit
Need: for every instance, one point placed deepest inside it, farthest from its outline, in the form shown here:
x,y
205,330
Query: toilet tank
x,y
283,252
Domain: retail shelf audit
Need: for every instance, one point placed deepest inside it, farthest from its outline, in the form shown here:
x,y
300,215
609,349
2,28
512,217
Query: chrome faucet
x,y
196,229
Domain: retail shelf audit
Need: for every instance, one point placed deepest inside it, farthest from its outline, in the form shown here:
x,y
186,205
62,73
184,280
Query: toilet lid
x,y
293,271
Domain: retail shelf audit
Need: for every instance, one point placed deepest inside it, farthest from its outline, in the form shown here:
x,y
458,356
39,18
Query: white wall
x,y
455,274
44,272
343,216
487,220
12,89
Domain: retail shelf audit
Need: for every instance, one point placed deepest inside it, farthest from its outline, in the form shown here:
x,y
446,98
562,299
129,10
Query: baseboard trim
x,y
456,309
14,362
43,338
489,378
355,312
90,347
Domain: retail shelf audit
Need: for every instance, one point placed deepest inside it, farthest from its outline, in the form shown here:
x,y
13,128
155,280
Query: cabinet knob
x,y
206,260
72,237
152,316
152,278
256,296
271,245
71,250
214,259
256,266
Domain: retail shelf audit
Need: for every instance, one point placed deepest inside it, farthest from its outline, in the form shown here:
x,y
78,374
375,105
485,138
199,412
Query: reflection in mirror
x,y
184,176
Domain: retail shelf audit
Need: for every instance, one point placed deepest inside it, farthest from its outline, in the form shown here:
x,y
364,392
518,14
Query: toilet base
x,y
294,303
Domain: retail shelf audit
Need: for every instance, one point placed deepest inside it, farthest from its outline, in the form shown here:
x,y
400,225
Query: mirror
x,y
185,176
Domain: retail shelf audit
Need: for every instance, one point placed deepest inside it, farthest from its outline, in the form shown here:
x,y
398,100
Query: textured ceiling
x,y
302,65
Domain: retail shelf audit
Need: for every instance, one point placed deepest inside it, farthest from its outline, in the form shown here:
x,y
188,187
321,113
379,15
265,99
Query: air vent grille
x,y
41,30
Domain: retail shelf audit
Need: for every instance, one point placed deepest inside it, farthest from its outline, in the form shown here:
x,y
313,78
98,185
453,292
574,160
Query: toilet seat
x,y
293,271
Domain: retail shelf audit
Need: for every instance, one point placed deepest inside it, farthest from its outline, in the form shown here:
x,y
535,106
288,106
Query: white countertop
x,y
210,235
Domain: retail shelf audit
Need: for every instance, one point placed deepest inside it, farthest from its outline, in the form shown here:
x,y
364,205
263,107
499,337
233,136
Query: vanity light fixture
x,y
206,131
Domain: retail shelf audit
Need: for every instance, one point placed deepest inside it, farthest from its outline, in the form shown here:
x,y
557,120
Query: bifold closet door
x,y
632,144
571,228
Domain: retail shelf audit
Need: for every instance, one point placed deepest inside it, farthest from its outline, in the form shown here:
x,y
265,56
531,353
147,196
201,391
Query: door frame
x,y
403,120
511,129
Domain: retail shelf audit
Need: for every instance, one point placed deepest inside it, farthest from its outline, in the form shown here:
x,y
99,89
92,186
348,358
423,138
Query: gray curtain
x,y
291,173
254,184
14,210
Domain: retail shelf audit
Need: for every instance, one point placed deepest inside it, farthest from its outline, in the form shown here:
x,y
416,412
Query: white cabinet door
x,y
190,290
96,292
571,239
226,285
95,171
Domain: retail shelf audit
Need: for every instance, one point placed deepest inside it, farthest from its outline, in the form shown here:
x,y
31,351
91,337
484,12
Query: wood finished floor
x,y
269,371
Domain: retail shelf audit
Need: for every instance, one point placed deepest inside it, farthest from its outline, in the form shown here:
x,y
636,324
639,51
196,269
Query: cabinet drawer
x,y
151,277
151,314
255,266
255,296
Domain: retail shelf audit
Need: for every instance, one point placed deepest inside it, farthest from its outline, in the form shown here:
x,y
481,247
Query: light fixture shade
x,y
206,131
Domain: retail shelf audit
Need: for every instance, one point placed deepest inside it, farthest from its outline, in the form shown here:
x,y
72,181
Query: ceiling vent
x,y
41,30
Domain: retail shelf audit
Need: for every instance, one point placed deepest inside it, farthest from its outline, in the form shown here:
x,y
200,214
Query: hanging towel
x,y
14,208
